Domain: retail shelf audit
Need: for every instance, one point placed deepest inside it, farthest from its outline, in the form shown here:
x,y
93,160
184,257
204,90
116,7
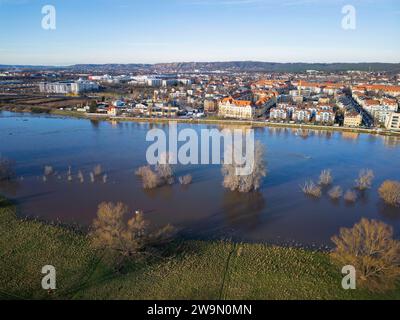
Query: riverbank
x,y
213,121
190,269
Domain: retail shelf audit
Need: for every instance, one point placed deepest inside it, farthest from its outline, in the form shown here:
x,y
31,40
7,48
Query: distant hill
x,y
278,67
251,66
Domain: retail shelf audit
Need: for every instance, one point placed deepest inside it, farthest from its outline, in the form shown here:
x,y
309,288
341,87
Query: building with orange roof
x,y
239,108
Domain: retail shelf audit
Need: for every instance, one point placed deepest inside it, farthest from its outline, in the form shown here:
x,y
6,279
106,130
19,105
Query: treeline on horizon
x,y
251,66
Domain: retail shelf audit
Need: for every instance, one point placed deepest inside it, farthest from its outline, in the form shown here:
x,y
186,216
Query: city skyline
x,y
157,31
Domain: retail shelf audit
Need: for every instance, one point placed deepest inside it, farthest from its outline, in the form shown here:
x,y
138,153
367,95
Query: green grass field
x,y
186,270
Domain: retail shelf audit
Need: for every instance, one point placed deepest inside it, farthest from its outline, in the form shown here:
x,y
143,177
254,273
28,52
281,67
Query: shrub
x,y
81,177
97,170
390,192
365,179
112,231
185,180
48,171
7,169
336,193
350,196
150,179
311,189
325,179
369,247
251,182
163,174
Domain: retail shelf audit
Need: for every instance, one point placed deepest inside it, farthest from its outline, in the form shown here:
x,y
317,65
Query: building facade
x,y
393,121
67,87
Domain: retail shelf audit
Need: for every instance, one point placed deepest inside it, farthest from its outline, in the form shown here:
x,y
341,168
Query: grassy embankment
x,y
191,270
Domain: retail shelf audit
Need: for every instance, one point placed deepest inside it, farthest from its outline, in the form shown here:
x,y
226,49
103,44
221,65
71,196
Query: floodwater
x,y
278,214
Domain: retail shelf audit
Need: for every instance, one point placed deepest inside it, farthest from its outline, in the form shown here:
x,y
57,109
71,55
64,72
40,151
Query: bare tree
x,y
48,171
350,196
97,170
325,179
112,231
165,170
369,247
150,179
7,169
246,183
163,174
185,180
365,178
311,189
390,192
336,193
81,177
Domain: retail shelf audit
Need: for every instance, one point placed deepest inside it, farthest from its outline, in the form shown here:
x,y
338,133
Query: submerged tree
x,y
350,196
112,231
163,174
81,178
97,170
325,179
246,183
369,247
48,171
186,179
164,170
311,189
336,193
390,192
365,178
150,179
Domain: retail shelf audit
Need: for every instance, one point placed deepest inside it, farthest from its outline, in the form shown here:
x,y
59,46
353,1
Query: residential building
x,y
210,105
352,119
246,109
393,121
67,87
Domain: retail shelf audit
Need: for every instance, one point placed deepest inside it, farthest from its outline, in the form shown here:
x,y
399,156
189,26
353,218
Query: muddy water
x,y
279,213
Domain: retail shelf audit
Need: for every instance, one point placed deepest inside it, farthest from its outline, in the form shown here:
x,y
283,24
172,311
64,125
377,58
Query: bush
x,y
48,171
311,189
335,193
325,179
112,231
97,170
251,182
369,247
185,180
164,169
365,179
7,169
390,192
162,175
150,179
350,196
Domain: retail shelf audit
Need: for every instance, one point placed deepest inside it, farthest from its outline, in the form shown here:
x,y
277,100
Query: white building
x,y
278,114
302,115
66,87
325,116
393,121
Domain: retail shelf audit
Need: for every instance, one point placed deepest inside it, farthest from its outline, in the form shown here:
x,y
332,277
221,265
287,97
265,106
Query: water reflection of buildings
x,y
391,142
348,135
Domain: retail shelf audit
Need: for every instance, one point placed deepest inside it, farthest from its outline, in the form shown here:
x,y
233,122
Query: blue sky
x,y
151,31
